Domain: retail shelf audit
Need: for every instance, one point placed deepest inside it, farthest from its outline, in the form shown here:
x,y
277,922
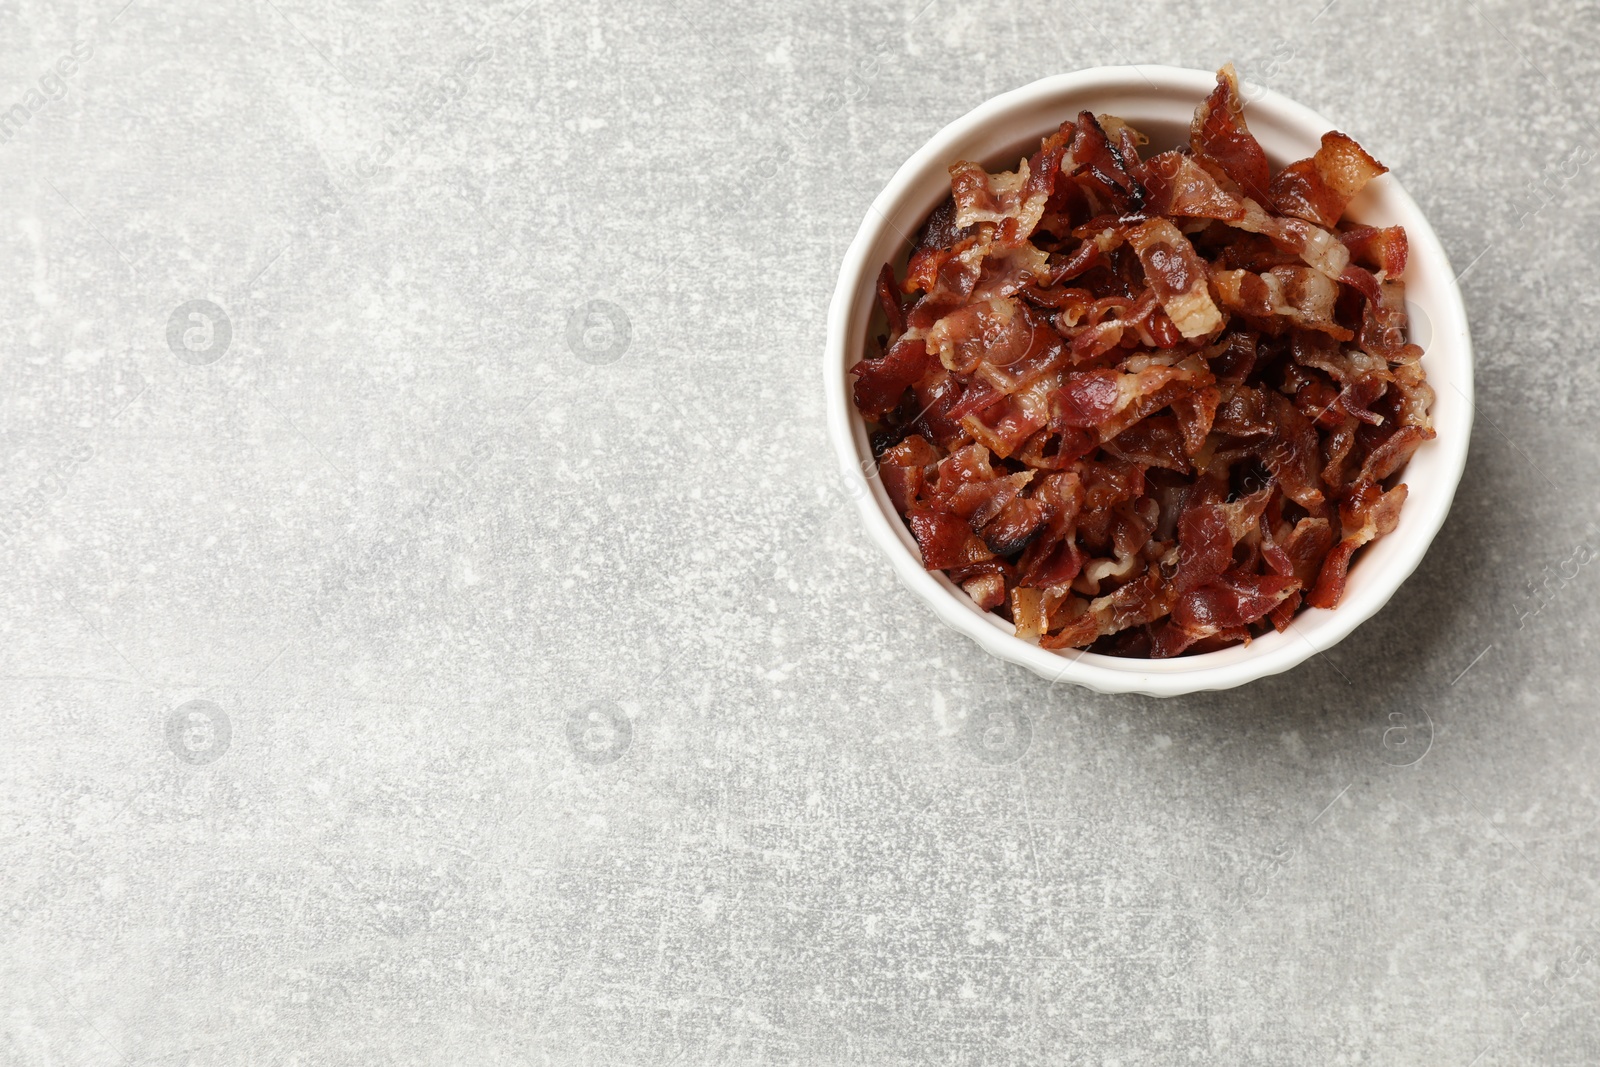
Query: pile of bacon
x,y
1148,407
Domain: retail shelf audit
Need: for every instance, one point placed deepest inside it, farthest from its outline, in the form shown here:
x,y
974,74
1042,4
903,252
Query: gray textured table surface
x,y
385,683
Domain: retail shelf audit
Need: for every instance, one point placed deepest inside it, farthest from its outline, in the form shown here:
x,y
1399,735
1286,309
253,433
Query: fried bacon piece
x,y
1228,604
1281,297
1366,513
1381,248
1180,186
1101,168
1149,407
1319,188
1219,138
1177,277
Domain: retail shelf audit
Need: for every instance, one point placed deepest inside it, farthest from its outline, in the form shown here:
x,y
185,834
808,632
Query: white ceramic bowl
x,y
1159,101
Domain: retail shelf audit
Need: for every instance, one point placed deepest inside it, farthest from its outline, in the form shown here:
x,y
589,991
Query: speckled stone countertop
x,y
434,631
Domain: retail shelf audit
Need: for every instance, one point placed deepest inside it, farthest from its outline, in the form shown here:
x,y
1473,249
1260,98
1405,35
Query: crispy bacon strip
x,y
1177,277
1228,603
1101,168
1179,186
1317,189
1315,246
880,383
1367,513
1220,138
1299,294
1381,248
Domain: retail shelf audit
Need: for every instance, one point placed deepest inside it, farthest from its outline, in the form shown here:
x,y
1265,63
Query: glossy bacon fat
x,y
1148,406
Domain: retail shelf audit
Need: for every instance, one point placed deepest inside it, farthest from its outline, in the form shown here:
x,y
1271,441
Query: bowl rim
x,y
1188,674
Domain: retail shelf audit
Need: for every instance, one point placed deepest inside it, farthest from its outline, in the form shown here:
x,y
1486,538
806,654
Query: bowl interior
x,y
1159,101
